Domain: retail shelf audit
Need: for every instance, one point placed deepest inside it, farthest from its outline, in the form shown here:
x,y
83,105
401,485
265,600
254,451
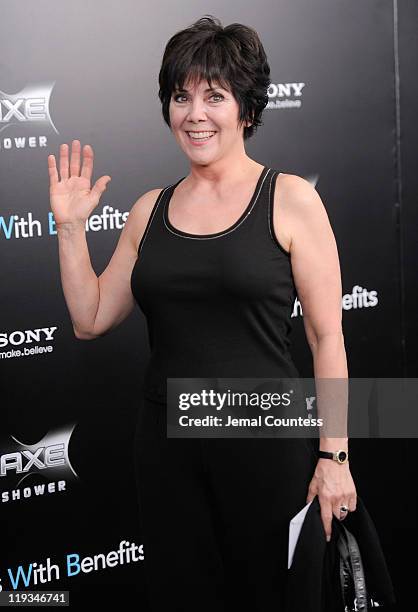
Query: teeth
x,y
197,135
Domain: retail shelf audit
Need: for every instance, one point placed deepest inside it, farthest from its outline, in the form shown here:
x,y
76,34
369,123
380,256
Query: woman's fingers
x,y
330,509
338,513
88,159
75,158
352,503
349,501
99,187
70,168
64,161
52,170
326,515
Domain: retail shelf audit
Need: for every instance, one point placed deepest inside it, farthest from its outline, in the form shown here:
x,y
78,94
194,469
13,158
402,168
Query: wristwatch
x,y
341,456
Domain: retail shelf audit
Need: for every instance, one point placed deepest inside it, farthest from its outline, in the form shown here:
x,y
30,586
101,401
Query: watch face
x,y
342,455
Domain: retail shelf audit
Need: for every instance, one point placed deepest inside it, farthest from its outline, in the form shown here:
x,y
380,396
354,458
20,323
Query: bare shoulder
x,y
296,202
140,214
294,190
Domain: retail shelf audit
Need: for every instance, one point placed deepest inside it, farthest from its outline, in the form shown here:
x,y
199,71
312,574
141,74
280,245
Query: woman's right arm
x,y
79,281
96,304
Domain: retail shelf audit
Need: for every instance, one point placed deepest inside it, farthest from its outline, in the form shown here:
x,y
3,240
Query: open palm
x,y
72,198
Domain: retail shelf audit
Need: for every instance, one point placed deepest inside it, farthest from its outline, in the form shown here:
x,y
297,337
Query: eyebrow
x,y
206,90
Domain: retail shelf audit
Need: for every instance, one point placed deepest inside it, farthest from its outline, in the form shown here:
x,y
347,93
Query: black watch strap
x,y
341,456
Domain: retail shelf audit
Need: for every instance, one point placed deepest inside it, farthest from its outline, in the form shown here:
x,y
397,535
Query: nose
x,y
197,110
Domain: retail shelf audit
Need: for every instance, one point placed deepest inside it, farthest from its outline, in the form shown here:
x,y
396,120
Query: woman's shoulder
x,y
294,191
296,204
145,203
293,181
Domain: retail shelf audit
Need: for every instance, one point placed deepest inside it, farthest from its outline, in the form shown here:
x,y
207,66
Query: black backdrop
x,y
341,114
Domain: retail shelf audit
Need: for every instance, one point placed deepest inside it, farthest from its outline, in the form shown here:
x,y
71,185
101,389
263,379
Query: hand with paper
x,y
335,487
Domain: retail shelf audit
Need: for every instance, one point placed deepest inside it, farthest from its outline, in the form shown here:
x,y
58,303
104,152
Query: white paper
x,y
295,526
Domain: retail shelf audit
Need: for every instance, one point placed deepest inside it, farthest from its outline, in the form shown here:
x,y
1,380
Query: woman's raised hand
x,y
72,198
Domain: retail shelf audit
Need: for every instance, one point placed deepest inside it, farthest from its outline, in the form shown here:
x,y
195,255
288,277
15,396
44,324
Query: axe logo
x,y
48,457
29,106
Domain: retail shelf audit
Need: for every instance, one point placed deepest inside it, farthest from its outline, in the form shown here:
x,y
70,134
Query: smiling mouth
x,y
201,136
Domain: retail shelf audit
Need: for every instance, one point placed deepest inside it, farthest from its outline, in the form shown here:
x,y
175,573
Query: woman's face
x,y
198,109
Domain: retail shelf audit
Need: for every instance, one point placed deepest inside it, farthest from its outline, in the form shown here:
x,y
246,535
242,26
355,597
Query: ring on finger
x,y
343,511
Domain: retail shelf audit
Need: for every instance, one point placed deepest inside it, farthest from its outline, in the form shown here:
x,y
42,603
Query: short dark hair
x,y
233,57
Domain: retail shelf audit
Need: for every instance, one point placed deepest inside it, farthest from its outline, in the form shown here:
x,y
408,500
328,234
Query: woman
x,y
214,261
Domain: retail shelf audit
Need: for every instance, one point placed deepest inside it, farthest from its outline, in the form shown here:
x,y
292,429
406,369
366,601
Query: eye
x,y
177,96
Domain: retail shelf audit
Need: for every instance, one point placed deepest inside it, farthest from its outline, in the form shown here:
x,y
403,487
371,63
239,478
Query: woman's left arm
x,y
317,275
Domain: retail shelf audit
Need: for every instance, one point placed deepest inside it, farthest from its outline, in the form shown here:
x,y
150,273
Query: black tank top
x,y
216,305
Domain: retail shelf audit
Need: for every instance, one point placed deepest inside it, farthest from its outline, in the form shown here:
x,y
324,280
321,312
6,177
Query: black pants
x,y
215,516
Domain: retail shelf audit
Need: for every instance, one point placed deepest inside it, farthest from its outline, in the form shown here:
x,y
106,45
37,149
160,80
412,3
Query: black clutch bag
x,y
354,594
346,574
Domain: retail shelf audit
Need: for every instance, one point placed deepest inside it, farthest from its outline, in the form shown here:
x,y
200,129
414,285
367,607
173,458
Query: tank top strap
x,y
264,199
155,219
262,194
